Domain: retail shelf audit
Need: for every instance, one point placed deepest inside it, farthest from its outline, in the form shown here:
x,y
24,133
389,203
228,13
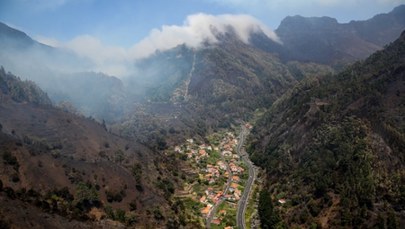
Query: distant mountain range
x,y
324,40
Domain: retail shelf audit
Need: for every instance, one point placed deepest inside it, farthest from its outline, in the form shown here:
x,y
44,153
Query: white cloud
x,y
91,47
111,60
48,41
196,29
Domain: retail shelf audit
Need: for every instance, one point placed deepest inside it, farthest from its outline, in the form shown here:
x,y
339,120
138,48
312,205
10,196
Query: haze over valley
x,y
214,121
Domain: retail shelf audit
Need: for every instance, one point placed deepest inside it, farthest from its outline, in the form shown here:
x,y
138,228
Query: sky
x,y
126,29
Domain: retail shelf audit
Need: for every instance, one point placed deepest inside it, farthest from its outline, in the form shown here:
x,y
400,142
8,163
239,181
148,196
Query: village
x,y
221,178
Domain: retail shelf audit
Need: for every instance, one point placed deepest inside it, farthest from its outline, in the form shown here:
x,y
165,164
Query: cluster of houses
x,y
192,152
211,173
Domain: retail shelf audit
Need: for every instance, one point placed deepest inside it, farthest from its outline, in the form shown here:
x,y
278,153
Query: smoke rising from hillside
x,y
70,70
199,28
195,30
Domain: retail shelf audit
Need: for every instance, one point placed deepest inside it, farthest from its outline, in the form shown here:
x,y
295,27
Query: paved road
x,y
244,200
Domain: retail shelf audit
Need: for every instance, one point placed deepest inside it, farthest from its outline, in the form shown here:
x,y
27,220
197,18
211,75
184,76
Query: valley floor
x,y
217,176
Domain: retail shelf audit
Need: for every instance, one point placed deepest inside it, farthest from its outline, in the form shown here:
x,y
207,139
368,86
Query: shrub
x,y
120,215
15,178
117,197
10,192
157,214
132,205
109,212
9,159
131,220
86,196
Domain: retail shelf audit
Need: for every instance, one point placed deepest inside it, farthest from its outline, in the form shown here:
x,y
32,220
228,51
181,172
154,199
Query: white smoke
x,y
196,29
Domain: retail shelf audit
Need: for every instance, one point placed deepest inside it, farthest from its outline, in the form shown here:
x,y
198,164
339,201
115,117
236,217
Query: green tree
x,y
269,218
86,196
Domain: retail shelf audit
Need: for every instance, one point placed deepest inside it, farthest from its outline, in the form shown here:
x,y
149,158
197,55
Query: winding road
x,y
244,200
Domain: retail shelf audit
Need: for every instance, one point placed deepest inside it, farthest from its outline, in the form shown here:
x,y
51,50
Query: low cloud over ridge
x,y
196,29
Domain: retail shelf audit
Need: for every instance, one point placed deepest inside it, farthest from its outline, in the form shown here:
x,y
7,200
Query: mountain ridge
x,y
324,40
335,144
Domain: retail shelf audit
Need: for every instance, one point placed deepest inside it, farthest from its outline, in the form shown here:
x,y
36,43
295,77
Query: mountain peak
x,y
15,37
399,10
300,22
324,40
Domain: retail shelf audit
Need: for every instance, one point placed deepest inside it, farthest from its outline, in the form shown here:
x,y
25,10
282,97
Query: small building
x,y
203,199
227,153
202,152
216,221
282,201
206,210
234,185
221,165
237,197
228,147
177,149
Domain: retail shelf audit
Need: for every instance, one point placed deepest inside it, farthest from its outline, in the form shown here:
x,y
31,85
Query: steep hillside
x,y
12,38
324,40
59,163
333,147
92,94
61,73
195,91
21,91
382,28
159,75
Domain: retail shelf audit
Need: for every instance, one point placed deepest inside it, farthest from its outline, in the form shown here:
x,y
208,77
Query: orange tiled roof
x,y
206,210
234,185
